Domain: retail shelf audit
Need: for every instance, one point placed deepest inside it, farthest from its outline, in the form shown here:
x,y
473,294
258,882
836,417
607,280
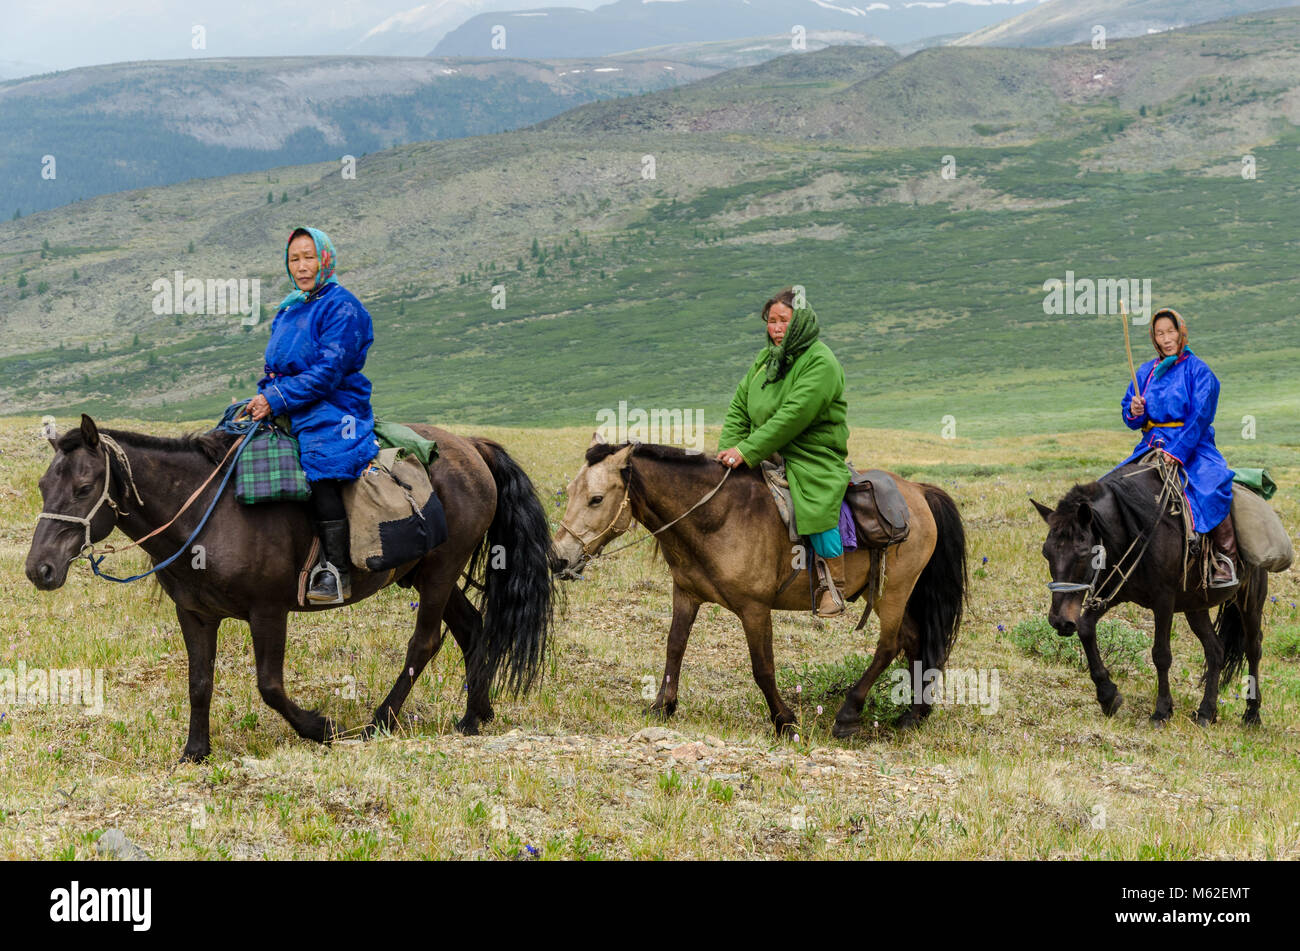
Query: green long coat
x,y
803,416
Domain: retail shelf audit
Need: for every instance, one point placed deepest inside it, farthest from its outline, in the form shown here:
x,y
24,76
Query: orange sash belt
x,y
1148,426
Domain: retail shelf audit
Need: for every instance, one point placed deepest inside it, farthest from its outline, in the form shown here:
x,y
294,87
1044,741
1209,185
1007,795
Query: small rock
x,y
714,742
654,734
115,845
687,752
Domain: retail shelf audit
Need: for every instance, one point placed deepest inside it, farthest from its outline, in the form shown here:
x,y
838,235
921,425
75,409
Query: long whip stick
x,y
1128,347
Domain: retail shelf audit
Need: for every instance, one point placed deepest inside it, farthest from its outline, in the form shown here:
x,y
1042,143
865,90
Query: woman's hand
x,y
1137,406
259,408
731,458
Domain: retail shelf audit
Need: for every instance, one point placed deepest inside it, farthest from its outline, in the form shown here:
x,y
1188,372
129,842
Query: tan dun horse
x,y
732,549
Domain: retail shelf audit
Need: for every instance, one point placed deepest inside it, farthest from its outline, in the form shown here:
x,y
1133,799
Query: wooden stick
x,y
1128,347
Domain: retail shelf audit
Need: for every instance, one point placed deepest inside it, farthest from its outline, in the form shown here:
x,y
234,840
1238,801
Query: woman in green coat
x,y
792,401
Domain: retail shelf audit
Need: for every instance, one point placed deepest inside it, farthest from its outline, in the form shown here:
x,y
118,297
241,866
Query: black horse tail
x,y
513,561
1230,623
939,598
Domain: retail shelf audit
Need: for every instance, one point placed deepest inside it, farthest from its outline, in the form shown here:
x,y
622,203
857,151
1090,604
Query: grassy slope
x,y
1023,782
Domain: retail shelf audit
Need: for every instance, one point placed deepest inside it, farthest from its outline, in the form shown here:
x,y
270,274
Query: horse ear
x,y
89,434
597,439
623,458
1085,515
1043,510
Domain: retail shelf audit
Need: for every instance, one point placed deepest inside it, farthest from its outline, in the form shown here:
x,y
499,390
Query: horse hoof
x,y
1158,721
467,726
661,711
1203,721
908,721
843,729
1251,718
786,728
193,755
1112,707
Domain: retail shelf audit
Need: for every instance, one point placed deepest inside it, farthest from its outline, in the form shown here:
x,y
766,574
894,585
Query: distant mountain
x,y
749,51
636,24
632,280
14,69
131,125
1063,22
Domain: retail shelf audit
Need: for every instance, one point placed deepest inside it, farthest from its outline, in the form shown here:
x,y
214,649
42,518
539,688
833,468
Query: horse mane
x,y
1133,500
212,444
648,450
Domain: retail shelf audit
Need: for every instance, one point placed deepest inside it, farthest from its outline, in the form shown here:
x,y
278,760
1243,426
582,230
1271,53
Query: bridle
x,y
109,444
1095,600
590,549
88,547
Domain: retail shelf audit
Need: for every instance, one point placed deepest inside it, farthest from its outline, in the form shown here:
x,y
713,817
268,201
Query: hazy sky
x,y
62,34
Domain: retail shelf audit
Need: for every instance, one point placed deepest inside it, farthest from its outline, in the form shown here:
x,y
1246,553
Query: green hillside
x,y
621,288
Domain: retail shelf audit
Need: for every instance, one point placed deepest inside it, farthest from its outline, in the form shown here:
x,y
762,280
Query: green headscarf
x,y
799,336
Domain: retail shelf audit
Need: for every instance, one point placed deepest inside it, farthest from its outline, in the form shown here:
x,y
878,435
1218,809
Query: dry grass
x,y
567,772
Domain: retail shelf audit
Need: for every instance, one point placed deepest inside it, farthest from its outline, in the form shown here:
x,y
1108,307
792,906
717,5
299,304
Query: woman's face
x,y
778,321
1166,332
303,263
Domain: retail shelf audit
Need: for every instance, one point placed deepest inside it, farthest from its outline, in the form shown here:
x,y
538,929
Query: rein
x,y
588,556
88,548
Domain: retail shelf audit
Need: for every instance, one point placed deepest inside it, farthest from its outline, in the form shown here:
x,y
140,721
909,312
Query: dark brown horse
x,y
734,551
1117,540
251,556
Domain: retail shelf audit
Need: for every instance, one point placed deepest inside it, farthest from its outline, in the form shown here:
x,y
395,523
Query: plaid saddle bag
x,y
269,469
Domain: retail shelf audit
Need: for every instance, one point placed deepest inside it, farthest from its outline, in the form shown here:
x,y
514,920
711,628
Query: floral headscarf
x,y
324,253
1167,362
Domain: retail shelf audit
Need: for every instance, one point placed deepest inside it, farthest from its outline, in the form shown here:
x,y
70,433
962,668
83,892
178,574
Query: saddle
x,y
880,518
879,511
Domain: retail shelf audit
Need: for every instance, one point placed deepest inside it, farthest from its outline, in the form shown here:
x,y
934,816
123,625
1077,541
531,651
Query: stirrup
x,y
838,599
1232,571
328,568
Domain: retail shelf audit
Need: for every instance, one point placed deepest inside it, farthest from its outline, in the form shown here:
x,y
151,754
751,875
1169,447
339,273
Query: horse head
x,y
1075,553
73,515
599,509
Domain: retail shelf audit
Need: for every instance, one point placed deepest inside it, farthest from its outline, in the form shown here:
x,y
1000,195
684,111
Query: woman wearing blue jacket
x,y
1175,412
319,338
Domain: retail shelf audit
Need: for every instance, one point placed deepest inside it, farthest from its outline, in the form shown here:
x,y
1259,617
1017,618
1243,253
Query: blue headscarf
x,y
324,253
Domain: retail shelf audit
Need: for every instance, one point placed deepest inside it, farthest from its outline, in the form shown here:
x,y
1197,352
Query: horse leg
x,y
1108,694
1162,656
892,612
268,630
757,620
1203,627
200,634
685,608
420,649
1252,611
466,626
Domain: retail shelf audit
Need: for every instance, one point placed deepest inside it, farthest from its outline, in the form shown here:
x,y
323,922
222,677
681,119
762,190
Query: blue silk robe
x,y
313,374
1189,394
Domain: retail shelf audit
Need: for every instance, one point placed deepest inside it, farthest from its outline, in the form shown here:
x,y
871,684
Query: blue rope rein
x,y
228,424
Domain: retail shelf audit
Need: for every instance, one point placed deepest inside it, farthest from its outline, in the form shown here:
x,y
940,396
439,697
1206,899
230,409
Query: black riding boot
x,y
1224,573
330,582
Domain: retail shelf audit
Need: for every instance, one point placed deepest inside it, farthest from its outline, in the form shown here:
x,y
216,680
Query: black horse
x,y
1119,539
252,554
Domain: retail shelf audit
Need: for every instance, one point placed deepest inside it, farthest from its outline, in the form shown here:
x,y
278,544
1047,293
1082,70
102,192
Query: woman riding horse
x,y
1175,412
792,401
318,345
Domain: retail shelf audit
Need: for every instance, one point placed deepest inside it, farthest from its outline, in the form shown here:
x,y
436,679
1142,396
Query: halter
x,y
84,520
588,554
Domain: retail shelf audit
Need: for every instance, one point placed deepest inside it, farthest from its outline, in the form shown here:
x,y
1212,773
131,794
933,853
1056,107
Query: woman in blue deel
x,y
318,345
1175,412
